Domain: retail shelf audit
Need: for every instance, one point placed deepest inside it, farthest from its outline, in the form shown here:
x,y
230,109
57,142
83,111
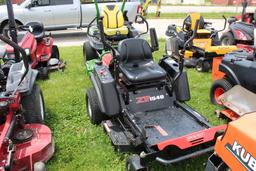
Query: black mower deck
x,y
167,124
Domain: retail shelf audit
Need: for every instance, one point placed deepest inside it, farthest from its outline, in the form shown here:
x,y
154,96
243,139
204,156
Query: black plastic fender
x,y
15,73
105,87
230,74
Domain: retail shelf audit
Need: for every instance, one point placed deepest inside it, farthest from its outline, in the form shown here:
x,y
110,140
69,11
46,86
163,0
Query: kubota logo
x,y
242,155
146,99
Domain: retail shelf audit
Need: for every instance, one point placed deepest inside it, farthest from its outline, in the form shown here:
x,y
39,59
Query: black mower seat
x,y
38,30
136,62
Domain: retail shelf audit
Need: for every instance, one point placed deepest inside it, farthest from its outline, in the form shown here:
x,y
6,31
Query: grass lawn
x,y
183,15
82,146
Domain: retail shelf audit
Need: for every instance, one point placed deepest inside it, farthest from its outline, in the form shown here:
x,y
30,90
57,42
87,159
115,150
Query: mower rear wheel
x,y
218,88
55,52
93,110
33,105
203,66
133,164
43,73
89,52
227,39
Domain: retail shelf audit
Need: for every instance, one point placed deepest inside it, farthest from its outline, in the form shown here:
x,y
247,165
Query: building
x,y
232,2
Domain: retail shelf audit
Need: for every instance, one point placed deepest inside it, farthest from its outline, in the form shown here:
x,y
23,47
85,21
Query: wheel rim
x,y
225,42
199,67
89,108
41,107
217,93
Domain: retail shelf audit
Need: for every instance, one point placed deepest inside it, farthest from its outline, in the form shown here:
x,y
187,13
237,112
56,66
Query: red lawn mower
x,y
25,142
39,48
240,29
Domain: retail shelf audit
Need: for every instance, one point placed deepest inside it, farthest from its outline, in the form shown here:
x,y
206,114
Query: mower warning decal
x,y
242,155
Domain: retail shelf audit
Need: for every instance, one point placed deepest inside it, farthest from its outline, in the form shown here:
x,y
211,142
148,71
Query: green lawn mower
x,y
116,27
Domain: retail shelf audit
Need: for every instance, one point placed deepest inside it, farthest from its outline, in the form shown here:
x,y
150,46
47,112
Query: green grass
x,y
183,15
82,146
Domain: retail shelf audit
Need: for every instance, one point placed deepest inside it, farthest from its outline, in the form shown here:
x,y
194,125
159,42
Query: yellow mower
x,y
205,46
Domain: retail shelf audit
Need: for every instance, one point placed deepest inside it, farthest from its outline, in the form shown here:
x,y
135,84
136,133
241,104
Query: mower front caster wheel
x,y
218,88
203,66
133,164
93,110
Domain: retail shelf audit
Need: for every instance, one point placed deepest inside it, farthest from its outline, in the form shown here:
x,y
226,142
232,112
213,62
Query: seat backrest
x,y
193,17
134,50
38,29
112,17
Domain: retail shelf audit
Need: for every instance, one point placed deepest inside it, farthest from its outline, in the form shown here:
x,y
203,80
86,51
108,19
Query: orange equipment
x,y
235,150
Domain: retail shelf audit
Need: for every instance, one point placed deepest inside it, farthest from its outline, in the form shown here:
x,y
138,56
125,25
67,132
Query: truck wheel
x,y
43,73
55,52
89,52
218,88
227,39
203,66
93,110
33,104
133,164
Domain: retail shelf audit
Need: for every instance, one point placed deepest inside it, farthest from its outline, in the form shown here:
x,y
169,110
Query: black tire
x,y
227,39
92,107
203,66
55,52
43,73
133,164
222,85
88,52
6,27
33,105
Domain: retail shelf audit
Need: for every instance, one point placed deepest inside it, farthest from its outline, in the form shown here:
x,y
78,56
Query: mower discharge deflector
x,y
239,100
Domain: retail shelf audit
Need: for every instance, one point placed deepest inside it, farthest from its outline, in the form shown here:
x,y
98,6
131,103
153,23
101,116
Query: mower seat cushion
x,y
136,62
116,31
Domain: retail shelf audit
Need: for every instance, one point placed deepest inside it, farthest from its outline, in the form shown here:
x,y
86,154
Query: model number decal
x,y
146,99
242,155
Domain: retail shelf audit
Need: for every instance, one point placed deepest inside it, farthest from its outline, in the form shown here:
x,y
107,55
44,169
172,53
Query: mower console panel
x,y
104,84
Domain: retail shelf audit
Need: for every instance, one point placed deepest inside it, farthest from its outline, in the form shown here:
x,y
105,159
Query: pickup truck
x,y
60,14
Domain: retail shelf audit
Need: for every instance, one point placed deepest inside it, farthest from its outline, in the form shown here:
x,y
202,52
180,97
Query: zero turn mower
x,y
240,30
141,105
204,47
236,68
25,142
116,26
